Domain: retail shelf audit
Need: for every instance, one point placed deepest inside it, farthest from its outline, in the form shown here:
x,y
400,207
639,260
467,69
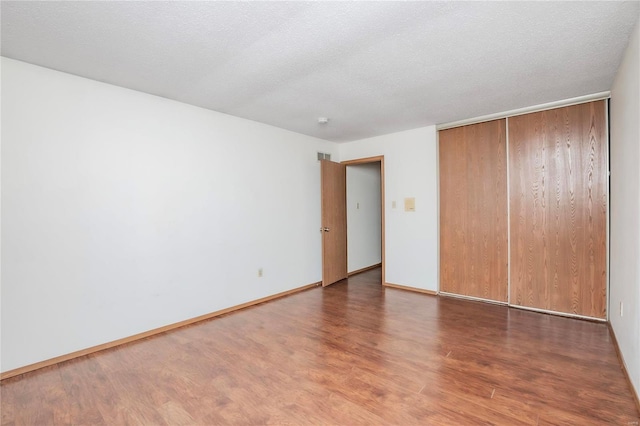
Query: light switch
x,y
410,204
393,204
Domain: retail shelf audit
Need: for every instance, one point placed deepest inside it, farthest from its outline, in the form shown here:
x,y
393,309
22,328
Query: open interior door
x,y
334,221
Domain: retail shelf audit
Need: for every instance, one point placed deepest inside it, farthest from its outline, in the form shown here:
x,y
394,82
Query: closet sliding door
x,y
473,211
558,207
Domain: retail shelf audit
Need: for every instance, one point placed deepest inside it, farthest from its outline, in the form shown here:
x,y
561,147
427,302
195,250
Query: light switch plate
x,y
410,204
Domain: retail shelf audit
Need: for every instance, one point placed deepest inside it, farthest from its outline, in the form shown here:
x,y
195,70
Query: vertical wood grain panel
x,y
333,177
473,210
558,199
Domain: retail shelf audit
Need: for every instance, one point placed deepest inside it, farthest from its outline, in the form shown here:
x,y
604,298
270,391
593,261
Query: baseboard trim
x,y
368,268
559,314
472,298
413,289
62,358
623,366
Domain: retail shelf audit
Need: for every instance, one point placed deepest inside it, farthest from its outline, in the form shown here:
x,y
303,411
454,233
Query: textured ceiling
x,y
371,67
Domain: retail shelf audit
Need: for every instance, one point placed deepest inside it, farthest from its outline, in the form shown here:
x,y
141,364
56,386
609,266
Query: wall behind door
x,y
363,215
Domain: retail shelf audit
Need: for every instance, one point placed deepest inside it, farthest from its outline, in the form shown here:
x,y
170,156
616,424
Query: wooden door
x,y
334,222
473,211
558,204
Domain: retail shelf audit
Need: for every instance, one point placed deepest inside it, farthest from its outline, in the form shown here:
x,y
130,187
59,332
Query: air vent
x,y
324,156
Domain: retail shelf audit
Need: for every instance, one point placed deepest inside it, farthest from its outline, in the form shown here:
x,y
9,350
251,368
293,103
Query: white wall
x,y
123,212
363,216
410,171
1,217
625,208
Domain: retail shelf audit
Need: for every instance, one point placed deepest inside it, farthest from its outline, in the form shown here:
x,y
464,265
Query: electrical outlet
x,y
621,310
260,272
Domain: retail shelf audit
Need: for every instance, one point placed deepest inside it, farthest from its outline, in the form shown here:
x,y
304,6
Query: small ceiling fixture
x,y
323,120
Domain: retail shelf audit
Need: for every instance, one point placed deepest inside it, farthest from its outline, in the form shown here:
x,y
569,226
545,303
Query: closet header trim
x,y
535,108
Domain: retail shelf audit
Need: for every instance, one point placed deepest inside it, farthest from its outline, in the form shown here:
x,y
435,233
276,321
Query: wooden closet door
x,y
473,210
558,209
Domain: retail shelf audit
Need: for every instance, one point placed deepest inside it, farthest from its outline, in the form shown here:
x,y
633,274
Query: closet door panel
x,y
557,180
473,210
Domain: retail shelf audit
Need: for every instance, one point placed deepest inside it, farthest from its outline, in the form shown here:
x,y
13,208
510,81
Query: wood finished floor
x,y
349,354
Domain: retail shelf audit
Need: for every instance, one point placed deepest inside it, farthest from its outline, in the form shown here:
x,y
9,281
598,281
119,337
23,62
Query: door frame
x,y
376,159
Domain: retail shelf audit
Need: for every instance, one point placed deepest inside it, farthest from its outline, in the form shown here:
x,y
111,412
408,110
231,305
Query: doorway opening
x,y
333,179
365,215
